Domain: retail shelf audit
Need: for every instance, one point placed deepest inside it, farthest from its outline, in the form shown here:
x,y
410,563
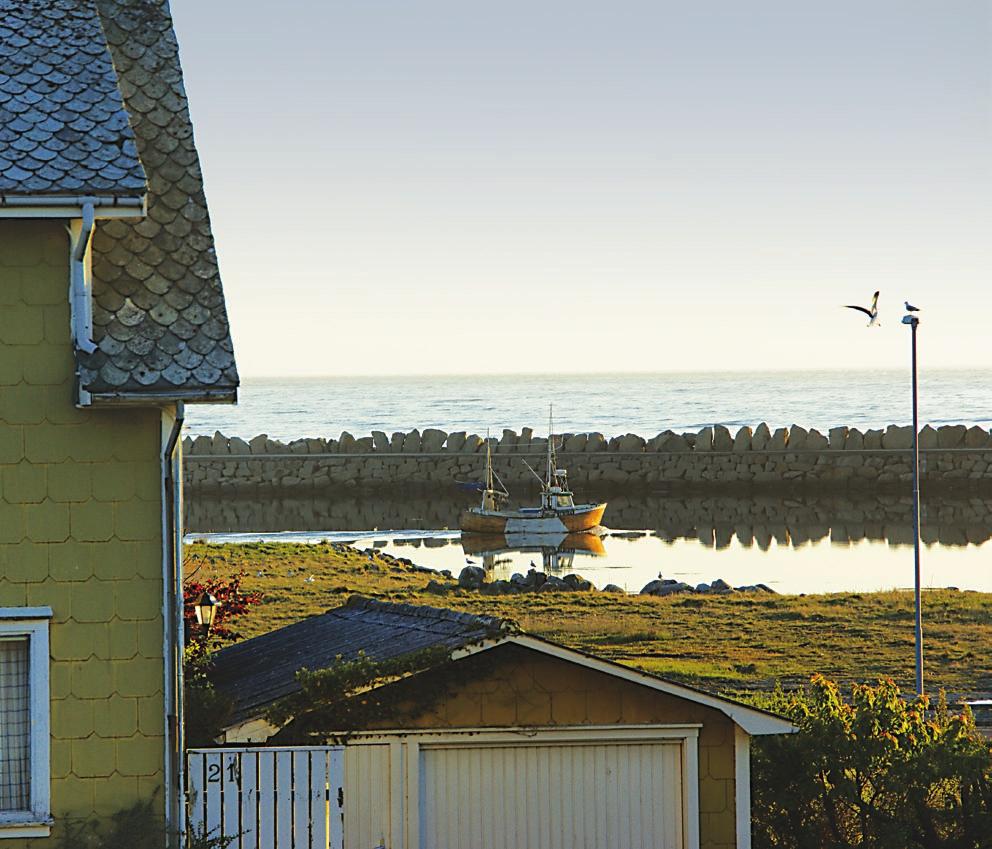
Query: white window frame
x,y
33,623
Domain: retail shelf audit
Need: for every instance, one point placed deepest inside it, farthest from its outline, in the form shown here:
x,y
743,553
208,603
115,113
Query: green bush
x,y
877,771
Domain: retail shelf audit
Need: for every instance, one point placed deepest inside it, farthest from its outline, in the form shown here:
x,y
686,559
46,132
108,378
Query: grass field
x,y
728,643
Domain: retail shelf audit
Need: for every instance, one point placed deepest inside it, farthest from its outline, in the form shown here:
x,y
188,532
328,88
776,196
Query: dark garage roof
x,y
260,670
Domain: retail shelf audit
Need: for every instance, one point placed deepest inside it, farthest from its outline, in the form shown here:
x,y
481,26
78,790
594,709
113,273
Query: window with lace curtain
x,y
15,724
24,722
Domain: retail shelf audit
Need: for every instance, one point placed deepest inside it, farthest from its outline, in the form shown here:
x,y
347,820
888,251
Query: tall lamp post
x,y
914,323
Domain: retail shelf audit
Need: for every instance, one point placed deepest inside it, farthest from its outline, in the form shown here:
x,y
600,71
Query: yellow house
x,y
112,317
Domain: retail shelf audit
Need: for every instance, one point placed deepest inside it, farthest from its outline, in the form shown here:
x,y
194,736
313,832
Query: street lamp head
x,y
206,610
911,320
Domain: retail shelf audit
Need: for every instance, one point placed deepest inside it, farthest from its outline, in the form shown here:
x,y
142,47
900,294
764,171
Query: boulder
x,y
760,437
364,445
257,445
219,444
815,440
435,588
951,436
873,439
663,588
928,437
855,440
411,442
315,445
974,437
704,440
630,443
702,588
896,437
553,585
575,444
720,585
526,435
202,445
456,441
613,588
742,441
534,578
722,440
837,438
797,437
577,583
509,438
473,443
239,446
396,442
346,444
778,440
676,444
298,446
380,441
471,577
432,440
595,442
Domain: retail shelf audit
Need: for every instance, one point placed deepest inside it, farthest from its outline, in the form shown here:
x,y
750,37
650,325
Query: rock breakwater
x,y
713,457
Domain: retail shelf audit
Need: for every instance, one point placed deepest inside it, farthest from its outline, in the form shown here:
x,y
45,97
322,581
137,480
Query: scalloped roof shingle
x,y
160,321
63,127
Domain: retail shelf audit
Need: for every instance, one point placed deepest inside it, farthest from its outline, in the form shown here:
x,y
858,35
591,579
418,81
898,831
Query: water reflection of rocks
x,y
713,521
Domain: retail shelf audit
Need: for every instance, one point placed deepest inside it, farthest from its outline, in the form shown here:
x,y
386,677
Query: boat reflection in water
x,y
557,551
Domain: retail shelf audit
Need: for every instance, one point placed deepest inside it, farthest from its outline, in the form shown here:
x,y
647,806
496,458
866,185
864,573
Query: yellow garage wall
x,y
80,531
512,686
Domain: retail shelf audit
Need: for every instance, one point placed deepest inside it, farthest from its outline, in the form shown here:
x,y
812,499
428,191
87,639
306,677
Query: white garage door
x,y
552,796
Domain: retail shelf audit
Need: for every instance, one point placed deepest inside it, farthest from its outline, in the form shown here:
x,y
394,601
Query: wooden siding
x,y
80,531
511,686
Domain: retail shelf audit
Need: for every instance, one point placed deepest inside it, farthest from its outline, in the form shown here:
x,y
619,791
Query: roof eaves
x,y
71,206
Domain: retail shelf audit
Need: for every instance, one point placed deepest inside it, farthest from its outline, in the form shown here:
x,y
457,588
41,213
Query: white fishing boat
x,y
557,514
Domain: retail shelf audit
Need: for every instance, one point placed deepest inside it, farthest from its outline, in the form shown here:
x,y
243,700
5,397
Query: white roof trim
x,y
67,206
754,722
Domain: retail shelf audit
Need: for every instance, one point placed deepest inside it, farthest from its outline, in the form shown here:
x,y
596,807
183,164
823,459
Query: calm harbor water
x,y
287,408
793,545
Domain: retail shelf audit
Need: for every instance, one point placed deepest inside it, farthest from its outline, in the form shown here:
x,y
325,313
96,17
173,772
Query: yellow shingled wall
x,y
80,531
521,687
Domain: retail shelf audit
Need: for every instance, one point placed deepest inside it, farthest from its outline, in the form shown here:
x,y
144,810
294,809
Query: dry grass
x,y
731,643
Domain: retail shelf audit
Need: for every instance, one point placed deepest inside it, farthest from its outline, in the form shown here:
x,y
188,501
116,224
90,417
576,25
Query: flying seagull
x,y
911,308
871,313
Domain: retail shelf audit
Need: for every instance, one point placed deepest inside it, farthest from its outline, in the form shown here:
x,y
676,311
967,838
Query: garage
x,y
508,741
556,789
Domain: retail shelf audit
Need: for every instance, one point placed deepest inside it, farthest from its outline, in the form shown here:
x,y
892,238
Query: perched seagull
x,y
469,561
871,313
309,580
911,308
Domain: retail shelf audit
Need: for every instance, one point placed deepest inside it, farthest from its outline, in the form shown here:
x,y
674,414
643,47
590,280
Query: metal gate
x,y
267,798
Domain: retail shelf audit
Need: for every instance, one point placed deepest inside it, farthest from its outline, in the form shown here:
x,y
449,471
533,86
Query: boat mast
x,y
551,444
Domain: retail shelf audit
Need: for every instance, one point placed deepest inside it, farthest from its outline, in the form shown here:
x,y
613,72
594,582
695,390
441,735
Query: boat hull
x,y
582,518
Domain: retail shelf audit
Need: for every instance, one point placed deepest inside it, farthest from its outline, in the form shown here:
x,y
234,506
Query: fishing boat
x,y
557,514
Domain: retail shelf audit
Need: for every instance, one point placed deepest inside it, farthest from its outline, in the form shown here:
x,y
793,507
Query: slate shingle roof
x,y
263,669
63,126
160,321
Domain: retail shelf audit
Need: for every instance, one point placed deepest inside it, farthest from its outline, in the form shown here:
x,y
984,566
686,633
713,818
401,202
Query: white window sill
x,y
27,826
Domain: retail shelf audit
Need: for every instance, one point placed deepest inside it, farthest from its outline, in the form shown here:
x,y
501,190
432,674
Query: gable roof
x,y
159,318
261,670
257,672
63,126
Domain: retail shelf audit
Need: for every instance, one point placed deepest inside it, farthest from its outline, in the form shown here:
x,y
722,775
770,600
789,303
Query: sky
x,y
448,186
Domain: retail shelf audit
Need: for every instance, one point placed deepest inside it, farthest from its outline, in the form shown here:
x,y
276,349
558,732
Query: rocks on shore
x,y
668,586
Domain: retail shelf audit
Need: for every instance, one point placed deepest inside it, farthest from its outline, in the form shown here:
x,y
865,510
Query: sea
x,y
287,408
813,545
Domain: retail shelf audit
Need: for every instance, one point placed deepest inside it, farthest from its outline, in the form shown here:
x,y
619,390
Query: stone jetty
x,y
712,458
